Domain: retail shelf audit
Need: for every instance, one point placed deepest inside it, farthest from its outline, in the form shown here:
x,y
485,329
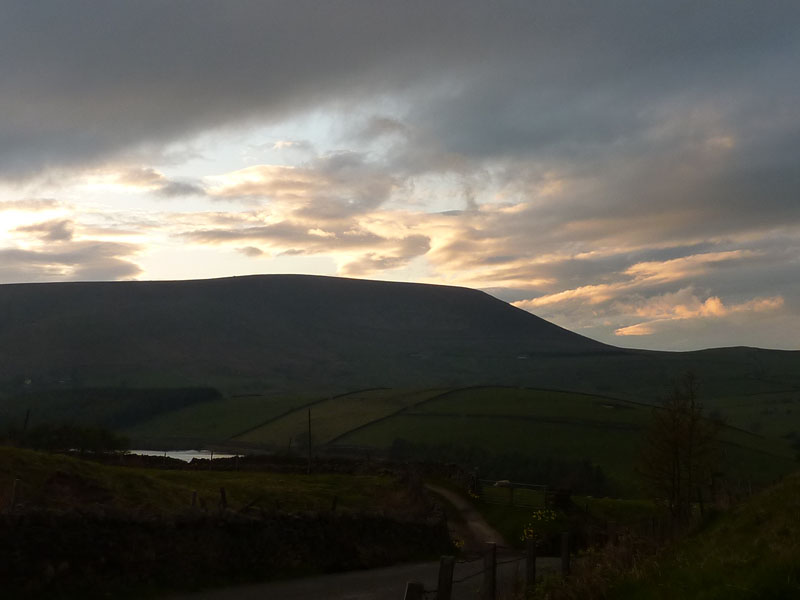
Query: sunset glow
x,y
622,178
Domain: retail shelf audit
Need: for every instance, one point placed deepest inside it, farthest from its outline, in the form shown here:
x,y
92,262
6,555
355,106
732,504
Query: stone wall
x,y
49,554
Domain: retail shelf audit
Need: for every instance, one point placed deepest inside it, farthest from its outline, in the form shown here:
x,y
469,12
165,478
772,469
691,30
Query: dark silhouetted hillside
x,y
324,335
286,331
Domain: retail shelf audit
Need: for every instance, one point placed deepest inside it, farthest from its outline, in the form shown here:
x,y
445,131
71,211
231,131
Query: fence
x,y
488,588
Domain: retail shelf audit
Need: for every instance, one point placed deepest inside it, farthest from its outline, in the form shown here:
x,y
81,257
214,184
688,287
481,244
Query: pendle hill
x,y
291,333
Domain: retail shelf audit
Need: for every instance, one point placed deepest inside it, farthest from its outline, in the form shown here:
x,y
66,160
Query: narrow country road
x,y
479,529
389,583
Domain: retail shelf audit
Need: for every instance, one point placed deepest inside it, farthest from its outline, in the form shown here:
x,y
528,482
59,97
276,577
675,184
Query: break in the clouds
x,y
625,169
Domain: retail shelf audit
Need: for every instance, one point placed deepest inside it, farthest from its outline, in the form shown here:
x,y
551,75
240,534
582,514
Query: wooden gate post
x,y
490,572
414,591
444,590
530,563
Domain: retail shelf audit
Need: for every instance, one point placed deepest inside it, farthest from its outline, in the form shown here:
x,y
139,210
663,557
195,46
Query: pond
x,y
184,455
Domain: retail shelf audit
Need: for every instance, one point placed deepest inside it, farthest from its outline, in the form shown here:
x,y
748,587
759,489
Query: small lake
x,y
184,455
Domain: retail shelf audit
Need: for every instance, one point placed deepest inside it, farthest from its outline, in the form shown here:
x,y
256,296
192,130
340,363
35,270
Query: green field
x,y
553,424
334,417
774,415
214,421
538,423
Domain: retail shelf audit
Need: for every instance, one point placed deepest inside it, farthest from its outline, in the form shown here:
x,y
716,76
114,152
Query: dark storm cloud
x,y
85,80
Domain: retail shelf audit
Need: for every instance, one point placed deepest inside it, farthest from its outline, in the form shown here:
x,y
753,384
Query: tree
x,y
680,448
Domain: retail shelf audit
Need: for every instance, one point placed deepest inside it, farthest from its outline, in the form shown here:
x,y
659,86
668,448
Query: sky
x,y
629,170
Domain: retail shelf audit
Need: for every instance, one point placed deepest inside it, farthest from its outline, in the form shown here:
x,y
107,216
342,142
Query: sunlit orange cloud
x,y
654,272
639,329
673,306
593,294
641,275
683,306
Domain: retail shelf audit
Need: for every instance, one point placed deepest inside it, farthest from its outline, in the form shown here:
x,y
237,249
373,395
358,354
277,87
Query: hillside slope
x,y
326,335
751,552
287,331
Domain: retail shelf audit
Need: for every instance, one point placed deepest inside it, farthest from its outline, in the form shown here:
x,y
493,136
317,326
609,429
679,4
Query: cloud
x,y
296,145
662,311
360,250
150,179
82,86
251,251
332,186
74,261
59,230
29,204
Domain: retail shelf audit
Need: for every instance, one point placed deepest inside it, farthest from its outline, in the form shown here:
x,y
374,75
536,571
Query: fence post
x,y
530,563
444,590
14,492
223,500
414,591
565,553
490,572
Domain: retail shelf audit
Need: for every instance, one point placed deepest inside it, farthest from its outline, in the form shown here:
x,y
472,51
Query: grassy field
x,y
558,424
215,421
774,415
334,417
498,420
56,481
539,423
751,552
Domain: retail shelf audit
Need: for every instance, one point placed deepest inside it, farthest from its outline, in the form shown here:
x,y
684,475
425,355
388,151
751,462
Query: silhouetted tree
x,y
680,448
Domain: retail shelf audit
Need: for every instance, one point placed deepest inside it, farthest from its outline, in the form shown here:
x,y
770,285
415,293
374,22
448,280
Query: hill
x,y
292,334
282,332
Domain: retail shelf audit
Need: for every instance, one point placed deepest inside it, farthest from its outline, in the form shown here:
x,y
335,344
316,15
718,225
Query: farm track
x,y
481,531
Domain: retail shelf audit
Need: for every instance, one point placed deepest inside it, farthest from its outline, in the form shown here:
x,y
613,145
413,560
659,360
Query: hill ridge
x,y
278,328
